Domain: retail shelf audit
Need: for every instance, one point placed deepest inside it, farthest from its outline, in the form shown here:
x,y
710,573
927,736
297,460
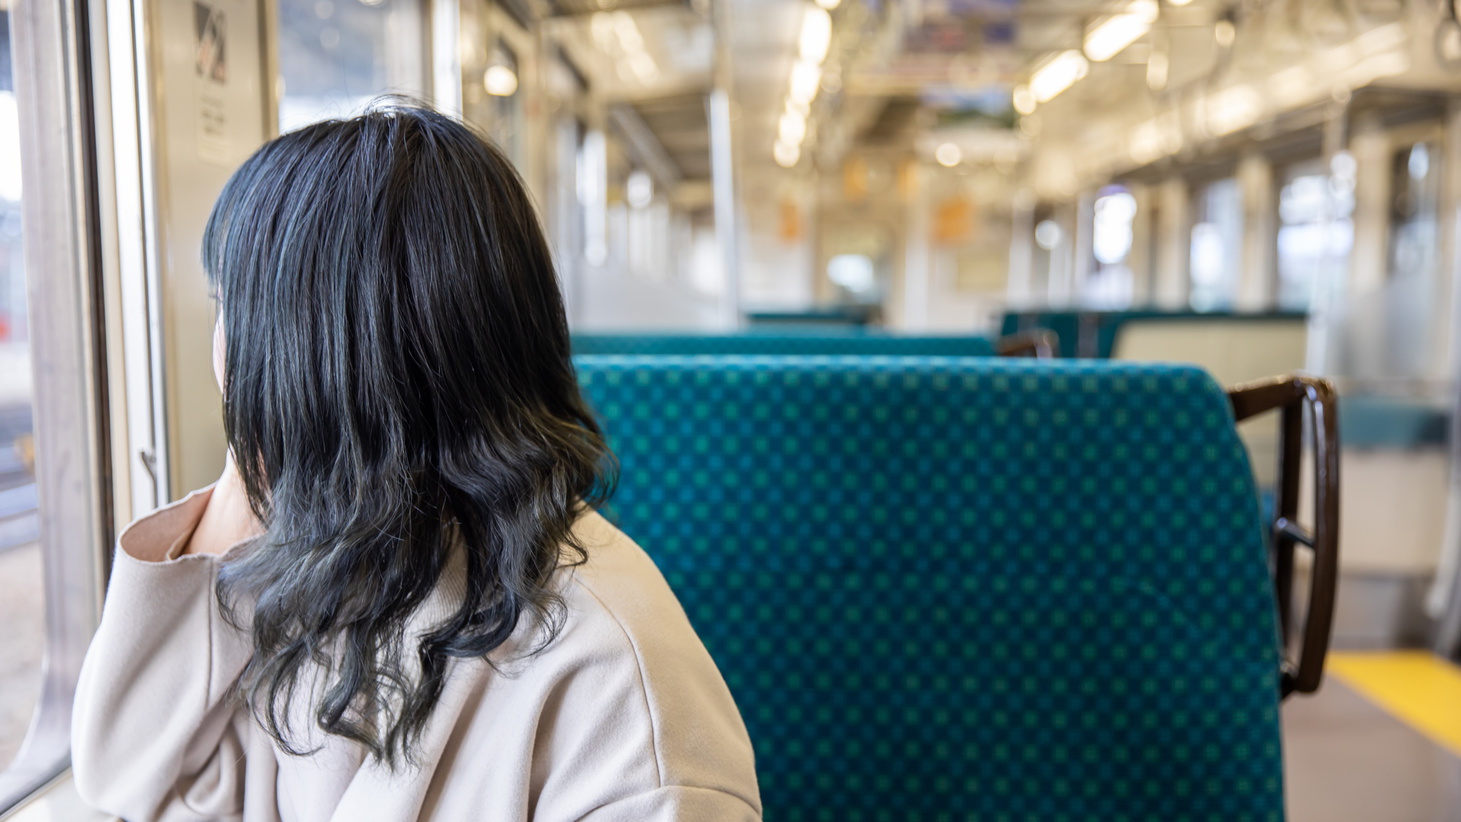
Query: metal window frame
x,y
62,238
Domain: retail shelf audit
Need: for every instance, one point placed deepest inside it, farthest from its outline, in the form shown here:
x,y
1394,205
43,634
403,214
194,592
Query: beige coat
x,y
623,717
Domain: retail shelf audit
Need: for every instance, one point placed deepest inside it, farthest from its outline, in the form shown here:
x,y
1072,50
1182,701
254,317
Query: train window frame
x,y
60,226
1199,189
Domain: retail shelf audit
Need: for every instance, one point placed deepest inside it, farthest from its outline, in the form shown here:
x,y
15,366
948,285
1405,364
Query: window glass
x,y
1408,334
1415,184
335,56
1311,247
1110,283
21,603
1217,236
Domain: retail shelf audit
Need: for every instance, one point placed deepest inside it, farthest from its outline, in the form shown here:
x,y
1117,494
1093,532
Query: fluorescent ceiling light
x,y
948,155
1058,74
786,155
793,128
829,4
1107,38
639,189
627,31
1024,99
1224,32
643,66
805,79
816,36
1233,108
1156,71
500,81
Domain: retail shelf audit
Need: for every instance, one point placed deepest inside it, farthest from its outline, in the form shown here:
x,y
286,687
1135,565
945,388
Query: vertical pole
x,y
1058,285
1139,259
1022,251
1083,253
1256,275
722,167
1444,598
918,262
1174,238
446,58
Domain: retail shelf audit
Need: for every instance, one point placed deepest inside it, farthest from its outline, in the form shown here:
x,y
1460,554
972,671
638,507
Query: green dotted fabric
x,y
963,589
782,345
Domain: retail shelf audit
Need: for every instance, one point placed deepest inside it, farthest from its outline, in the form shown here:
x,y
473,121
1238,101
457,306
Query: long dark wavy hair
x,y
397,387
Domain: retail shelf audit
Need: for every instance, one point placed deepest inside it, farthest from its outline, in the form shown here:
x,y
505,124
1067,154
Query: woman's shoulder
x,y
626,649
617,573
619,592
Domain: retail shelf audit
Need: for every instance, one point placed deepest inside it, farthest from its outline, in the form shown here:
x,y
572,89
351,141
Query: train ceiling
x,y
898,71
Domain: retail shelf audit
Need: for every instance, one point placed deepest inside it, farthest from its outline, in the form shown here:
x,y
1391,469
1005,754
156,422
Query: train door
x,y
1360,247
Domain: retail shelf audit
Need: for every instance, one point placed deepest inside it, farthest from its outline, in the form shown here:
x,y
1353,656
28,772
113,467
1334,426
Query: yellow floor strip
x,y
1419,688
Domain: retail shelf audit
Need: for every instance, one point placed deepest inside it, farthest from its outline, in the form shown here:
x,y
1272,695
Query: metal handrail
x,y
1040,343
1292,396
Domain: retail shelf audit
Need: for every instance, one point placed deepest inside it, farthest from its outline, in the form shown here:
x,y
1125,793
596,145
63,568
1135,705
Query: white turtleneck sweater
x,y
623,718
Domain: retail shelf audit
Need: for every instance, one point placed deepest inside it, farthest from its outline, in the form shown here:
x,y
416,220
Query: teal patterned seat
x,y
845,344
964,589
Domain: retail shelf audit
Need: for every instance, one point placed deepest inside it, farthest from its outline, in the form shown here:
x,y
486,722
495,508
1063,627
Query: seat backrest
x,y
963,588
1234,349
803,344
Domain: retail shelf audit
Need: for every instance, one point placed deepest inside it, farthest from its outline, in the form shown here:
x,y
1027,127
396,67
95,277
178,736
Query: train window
x,y
647,226
1110,284
21,581
1415,197
337,55
854,272
859,259
1315,230
1217,236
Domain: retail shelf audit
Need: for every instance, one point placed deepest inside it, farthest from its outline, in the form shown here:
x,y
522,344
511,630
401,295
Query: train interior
x,y
1035,240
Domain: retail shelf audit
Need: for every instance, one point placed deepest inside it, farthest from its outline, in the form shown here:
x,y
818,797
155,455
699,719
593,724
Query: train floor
x,y
1380,742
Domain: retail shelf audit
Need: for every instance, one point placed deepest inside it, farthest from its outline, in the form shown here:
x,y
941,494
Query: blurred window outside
x,y
21,582
1312,248
1413,266
1217,237
1111,283
1414,202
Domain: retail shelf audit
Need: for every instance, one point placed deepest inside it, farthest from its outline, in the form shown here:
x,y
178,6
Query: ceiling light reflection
x,y
1112,35
816,37
1058,74
786,155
